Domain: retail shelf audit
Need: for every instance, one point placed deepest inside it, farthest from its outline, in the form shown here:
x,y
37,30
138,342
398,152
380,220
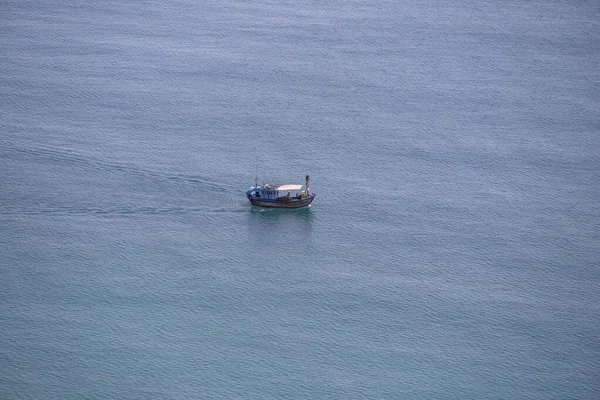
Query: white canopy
x,y
289,187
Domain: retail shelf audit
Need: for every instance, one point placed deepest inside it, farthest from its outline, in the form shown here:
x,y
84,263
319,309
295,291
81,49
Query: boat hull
x,y
282,204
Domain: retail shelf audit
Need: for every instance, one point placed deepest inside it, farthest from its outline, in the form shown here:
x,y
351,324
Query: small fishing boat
x,y
284,196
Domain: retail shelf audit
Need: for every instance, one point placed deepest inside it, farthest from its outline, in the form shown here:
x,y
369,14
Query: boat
x,y
284,196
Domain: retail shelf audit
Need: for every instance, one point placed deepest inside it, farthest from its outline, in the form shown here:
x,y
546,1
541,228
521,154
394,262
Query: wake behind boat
x,y
284,196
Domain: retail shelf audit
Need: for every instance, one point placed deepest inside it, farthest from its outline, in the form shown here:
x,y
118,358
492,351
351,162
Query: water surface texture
x,y
452,251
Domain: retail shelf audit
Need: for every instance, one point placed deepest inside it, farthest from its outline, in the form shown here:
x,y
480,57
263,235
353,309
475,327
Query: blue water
x,y
452,251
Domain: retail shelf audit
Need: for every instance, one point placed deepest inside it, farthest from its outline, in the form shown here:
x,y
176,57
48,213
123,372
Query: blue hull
x,y
293,203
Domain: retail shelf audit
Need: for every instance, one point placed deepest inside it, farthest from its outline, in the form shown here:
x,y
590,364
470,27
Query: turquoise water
x,y
452,250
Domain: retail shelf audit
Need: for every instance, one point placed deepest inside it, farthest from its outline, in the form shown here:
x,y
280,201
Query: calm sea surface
x,y
452,251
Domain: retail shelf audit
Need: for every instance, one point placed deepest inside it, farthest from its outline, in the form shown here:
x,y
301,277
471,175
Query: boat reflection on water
x,y
289,229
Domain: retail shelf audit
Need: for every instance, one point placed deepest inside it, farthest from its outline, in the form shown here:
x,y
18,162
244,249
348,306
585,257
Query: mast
x,y
307,185
256,177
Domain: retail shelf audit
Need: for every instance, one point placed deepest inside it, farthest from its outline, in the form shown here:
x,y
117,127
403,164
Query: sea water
x,y
452,251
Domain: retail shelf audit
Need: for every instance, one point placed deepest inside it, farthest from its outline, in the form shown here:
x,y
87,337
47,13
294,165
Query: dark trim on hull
x,y
283,204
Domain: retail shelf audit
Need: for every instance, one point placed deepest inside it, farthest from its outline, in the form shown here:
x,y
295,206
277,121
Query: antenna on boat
x,y
256,177
307,184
